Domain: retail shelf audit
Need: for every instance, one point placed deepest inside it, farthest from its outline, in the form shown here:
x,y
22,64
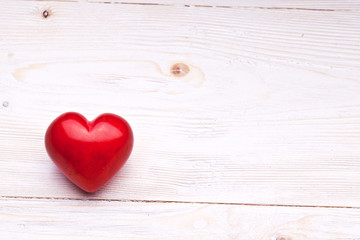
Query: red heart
x,y
89,153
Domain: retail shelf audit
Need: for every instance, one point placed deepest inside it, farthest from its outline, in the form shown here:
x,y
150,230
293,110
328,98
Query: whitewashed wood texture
x,y
268,114
59,219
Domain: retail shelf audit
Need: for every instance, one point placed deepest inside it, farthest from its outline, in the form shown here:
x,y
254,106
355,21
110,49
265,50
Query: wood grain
x,y
269,112
66,219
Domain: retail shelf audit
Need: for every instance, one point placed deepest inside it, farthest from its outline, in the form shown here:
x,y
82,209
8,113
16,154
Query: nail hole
x,y
283,238
5,104
45,13
179,69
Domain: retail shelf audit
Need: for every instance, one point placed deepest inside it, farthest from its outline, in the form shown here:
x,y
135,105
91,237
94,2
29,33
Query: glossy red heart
x,y
89,153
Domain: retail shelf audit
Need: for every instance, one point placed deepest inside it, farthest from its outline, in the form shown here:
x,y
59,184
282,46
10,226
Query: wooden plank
x,y
269,112
68,219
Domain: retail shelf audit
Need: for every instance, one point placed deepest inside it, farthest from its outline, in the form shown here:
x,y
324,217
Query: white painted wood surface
x,y
269,114
59,219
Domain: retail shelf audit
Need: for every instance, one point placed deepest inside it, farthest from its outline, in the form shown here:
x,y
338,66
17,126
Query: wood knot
x,y
45,13
179,69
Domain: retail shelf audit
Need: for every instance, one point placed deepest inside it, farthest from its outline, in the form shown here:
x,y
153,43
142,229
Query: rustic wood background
x,y
246,117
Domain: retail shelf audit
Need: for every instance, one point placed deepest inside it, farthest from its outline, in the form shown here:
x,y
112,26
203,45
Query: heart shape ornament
x,y
89,153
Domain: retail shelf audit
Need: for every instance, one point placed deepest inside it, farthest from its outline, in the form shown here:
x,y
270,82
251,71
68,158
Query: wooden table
x,y
246,117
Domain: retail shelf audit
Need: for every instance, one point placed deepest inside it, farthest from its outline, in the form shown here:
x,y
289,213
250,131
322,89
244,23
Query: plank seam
x,y
178,202
224,6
